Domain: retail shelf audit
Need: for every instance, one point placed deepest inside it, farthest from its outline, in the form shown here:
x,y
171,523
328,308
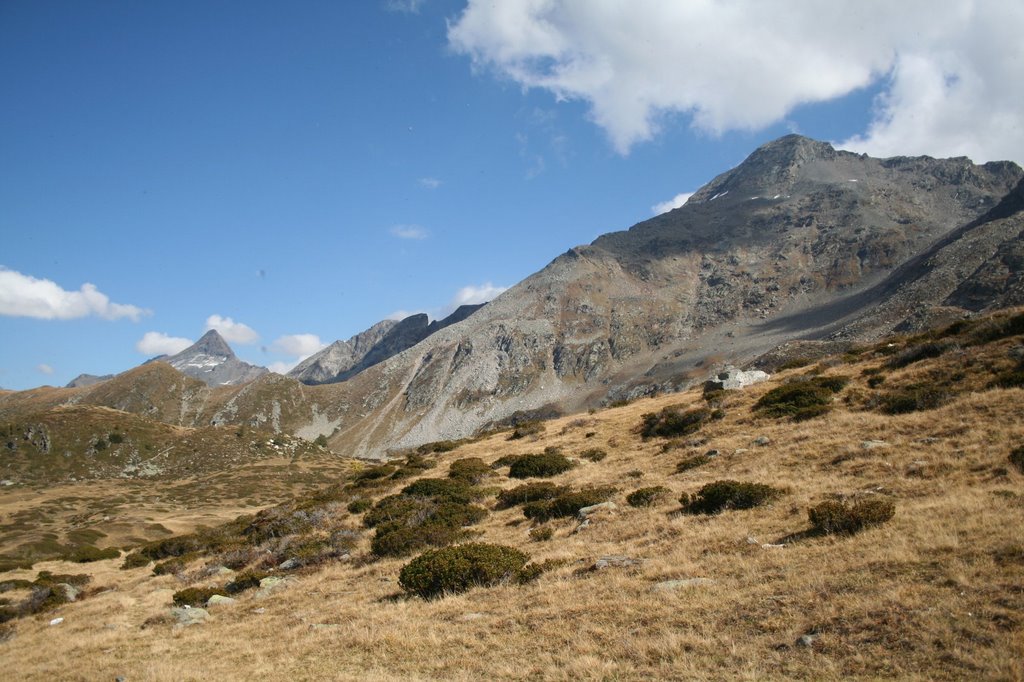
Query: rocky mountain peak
x,y
211,343
211,360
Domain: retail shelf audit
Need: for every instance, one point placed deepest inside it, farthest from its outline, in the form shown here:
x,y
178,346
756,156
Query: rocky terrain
x,y
799,249
211,360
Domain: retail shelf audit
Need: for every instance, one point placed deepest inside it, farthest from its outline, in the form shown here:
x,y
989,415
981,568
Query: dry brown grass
x,y
934,594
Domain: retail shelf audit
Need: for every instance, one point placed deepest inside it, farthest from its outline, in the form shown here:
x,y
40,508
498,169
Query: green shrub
x,y
456,569
542,533
171,566
913,398
442,490
718,496
1000,328
801,400
439,446
567,504
89,553
932,349
646,497
396,508
373,475
529,492
692,463
135,560
1017,458
795,363
540,466
115,438
876,381
195,596
528,428
1011,378
840,518
593,454
321,441
672,421
506,461
395,540
472,470
359,506
247,580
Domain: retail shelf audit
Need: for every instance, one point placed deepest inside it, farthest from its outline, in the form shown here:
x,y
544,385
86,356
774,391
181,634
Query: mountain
x,y
211,360
344,359
87,380
799,248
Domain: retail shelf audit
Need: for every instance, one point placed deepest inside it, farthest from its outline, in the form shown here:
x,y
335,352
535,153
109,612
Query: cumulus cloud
x,y
300,346
951,72
158,343
27,296
473,294
675,202
44,368
408,232
234,332
429,183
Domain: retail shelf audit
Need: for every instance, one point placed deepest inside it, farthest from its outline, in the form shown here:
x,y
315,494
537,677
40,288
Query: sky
x,y
292,173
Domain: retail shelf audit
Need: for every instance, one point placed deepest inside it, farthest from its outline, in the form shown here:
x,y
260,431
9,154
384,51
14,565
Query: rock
x,y
807,641
769,545
223,571
740,451
751,540
584,524
220,600
615,561
712,453
873,444
272,584
290,564
186,616
731,378
669,585
70,591
56,621
594,508
762,441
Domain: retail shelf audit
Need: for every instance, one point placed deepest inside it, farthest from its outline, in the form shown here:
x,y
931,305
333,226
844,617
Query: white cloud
x,y
26,296
234,332
953,70
300,346
158,343
405,6
283,367
429,183
408,232
44,368
400,315
473,294
675,202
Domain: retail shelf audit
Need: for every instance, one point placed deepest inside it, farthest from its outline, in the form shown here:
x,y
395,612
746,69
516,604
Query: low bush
x,y
135,560
359,506
913,398
719,496
172,566
456,569
646,497
567,504
529,492
396,540
89,553
506,461
442,490
528,428
593,454
1017,458
540,466
673,421
373,475
840,518
692,463
876,381
472,470
802,399
542,533
195,596
931,349
247,580
999,328
439,446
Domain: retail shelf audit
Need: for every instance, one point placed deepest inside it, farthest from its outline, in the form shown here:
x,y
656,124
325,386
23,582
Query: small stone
x,y
615,561
220,600
603,506
762,441
740,451
669,585
751,540
583,525
807,641
189,616
70,591
290,564
873,444
56,621
712,453
768,545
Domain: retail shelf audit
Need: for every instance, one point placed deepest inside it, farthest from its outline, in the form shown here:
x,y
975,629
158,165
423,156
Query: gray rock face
x,y
87,380
211,360
731,378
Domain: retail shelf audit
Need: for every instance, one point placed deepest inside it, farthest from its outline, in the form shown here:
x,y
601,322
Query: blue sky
x,y
291,173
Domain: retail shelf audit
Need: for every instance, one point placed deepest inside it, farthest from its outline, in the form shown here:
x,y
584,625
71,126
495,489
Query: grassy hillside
x,y
926,424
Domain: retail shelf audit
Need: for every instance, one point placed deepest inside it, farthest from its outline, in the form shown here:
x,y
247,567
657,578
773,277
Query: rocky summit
x,y
211,360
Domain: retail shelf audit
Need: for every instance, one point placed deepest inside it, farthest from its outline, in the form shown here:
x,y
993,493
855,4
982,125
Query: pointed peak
x,y
210,343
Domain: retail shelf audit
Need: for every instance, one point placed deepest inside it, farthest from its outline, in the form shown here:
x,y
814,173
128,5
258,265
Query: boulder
x,y
731,378
615,561
185,616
